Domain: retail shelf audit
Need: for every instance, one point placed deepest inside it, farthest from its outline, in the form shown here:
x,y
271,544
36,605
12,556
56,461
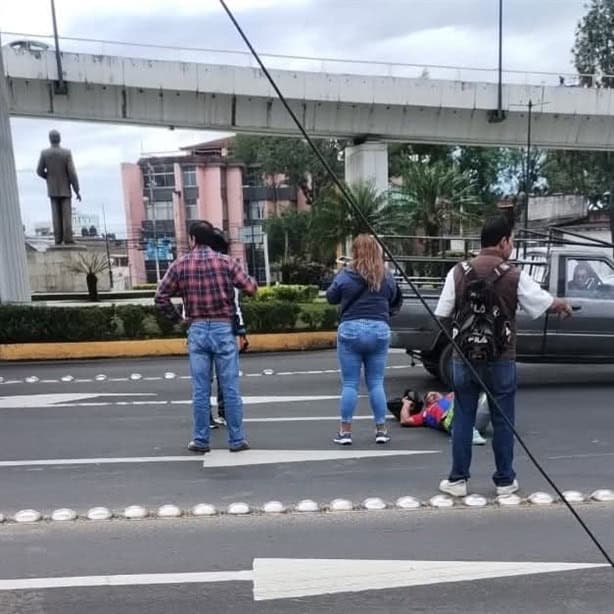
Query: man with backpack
x,y
481,297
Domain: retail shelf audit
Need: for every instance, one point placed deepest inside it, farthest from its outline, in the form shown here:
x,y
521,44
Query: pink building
x,y
163,195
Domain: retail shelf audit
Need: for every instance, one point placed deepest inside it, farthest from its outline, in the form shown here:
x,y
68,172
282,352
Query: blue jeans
x,y
210,343
363,342
500,377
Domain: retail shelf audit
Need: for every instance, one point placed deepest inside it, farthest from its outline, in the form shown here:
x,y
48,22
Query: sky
x,y
538,37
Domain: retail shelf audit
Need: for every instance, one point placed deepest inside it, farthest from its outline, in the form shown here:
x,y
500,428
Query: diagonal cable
x,y
347,194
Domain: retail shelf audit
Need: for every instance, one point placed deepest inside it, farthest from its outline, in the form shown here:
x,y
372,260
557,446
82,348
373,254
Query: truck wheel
x,y
431,367
445,367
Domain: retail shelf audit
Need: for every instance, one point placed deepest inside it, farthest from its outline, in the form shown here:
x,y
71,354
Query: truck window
x,y
591,278
535,265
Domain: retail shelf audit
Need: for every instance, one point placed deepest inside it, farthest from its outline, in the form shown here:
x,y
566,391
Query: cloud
x,y
538,36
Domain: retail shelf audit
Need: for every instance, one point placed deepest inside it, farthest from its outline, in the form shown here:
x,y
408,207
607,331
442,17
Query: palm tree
x,y
90,265
334,221
437,196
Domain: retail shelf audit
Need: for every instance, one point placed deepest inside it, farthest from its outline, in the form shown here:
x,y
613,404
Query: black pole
x,y
500,88
106,240
528,173
60,85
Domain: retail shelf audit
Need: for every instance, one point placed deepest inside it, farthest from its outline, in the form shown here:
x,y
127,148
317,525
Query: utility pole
x,y
528,173
500,88
106,240
498,115
267,264
60,85
153,219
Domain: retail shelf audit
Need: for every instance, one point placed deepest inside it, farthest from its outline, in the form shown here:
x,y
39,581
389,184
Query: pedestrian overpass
x,y
117,89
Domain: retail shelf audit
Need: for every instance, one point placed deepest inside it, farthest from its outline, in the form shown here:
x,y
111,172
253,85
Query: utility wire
x,y
347,194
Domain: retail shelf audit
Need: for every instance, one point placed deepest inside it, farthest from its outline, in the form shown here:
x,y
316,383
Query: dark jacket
x,y
369,305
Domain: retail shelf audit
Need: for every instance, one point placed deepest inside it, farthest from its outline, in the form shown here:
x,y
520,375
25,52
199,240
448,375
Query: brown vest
x,y
506,287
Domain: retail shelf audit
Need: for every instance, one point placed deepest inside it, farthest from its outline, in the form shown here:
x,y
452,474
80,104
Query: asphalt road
x,y
115,441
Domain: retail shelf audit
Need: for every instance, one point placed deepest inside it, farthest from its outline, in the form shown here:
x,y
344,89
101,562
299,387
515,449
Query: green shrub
x,y
270,316
25,324
117,326
150,326
295,293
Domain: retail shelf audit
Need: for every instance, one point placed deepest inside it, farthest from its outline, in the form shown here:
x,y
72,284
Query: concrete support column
x,y
14,281
134,208
367,163
179,213
210,205
234,192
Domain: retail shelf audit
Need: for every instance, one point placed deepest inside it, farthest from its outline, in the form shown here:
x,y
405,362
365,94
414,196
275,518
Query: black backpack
x,y
482,325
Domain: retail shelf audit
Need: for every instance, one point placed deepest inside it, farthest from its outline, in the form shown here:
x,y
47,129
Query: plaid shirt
x,y
205,280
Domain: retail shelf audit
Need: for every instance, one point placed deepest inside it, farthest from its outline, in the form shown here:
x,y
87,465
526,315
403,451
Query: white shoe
x,y
508,490
456,489
477,440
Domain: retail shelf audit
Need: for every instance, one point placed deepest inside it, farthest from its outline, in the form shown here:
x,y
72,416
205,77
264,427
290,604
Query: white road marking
x,y
574,456
267,457
222,458
26,584
59,399
305,419
189,377
291,578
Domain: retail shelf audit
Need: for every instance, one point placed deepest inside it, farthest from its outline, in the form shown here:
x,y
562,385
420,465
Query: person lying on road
x,y
436,410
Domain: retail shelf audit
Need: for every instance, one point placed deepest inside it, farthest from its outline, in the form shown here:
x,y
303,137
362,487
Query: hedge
x,y
25,324
292,293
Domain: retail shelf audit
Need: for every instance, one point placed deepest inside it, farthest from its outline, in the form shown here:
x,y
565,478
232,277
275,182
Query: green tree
x,y
594,45
590,173
484,165
288,235
437,197
293,158
91,265
334,220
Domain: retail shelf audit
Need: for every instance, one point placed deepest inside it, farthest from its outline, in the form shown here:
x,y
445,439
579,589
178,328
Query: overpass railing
x,y
365,67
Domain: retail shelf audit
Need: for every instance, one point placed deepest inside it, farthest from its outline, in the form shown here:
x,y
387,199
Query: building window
x,y
257,210
189,177
161,210
191,210
159,176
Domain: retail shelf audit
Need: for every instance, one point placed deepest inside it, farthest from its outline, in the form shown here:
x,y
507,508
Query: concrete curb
x,y
278,342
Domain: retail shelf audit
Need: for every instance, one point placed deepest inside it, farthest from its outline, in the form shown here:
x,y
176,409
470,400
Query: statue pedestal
x,y
52,270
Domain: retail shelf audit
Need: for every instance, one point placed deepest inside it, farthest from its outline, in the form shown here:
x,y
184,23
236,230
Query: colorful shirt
x,y
206,282
437,415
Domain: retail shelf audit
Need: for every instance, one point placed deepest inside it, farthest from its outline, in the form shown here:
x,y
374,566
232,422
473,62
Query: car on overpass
x,y
36,48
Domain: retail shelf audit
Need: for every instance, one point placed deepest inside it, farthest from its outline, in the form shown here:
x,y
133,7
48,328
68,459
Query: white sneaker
x,y
477,440
508,490
456,489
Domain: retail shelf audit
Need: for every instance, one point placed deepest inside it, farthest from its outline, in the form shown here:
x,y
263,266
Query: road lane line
x,y
27,584
222,458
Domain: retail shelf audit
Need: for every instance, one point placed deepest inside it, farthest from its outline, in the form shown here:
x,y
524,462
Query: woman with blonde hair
x,y
367,294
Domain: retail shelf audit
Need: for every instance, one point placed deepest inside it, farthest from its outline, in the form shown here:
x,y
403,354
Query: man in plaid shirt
x,y
205,280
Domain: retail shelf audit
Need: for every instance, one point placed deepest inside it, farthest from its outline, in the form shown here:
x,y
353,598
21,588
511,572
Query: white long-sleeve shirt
x,y
532,298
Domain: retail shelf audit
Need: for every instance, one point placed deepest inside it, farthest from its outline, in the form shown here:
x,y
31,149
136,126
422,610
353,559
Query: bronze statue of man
x,y
57,168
